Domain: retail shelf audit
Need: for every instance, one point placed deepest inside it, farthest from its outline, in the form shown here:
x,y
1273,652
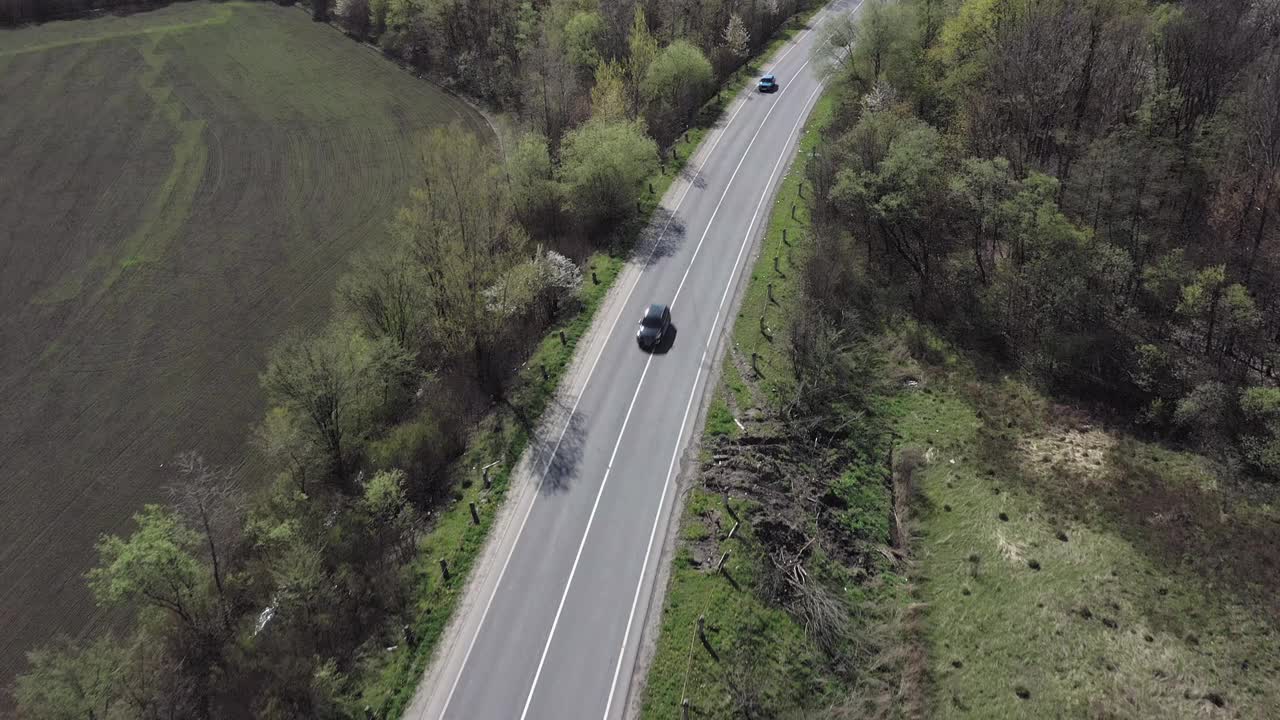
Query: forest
x,y
1083,191
1041,272
286,596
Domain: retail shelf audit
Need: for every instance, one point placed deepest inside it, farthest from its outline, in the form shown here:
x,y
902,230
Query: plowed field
x,y
177,188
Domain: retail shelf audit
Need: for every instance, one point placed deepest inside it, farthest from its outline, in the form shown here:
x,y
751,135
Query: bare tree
x,y
208,500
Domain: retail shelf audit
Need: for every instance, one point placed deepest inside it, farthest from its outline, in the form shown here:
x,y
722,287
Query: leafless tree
x,y
209,501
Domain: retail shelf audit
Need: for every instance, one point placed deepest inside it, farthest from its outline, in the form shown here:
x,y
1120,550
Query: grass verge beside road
x,y
501,438
769,295
753,655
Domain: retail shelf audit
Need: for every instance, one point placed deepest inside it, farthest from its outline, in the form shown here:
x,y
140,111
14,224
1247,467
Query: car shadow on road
x,y
664,346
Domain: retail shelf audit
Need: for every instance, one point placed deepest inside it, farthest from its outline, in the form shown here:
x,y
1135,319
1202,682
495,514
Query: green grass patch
x,y
785,241
87,31
719,418
753,654
1044,600
731,380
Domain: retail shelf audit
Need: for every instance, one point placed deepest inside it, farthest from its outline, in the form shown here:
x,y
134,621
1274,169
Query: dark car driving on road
x,y
653,326
767,84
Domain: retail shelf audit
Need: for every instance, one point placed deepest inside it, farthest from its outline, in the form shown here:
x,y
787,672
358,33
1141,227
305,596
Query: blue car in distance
x,y
767,84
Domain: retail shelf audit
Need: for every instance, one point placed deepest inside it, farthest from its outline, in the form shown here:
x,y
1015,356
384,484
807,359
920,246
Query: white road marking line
x,y
635,600
622,309
555,622
711,222
555,450
652,534
583,543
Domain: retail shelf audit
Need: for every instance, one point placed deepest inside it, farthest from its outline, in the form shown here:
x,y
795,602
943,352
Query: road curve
x,y
551,623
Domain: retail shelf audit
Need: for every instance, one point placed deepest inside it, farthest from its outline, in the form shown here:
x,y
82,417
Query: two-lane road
x,y
551,627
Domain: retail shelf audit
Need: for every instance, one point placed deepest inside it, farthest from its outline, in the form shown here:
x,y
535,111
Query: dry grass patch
x,y
1080,452
1101,583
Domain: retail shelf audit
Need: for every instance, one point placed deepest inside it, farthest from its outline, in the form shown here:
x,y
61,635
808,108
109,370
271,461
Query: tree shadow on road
x,y
557,456
666,235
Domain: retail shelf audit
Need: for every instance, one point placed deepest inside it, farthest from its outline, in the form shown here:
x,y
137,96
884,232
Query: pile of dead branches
x,y
790,479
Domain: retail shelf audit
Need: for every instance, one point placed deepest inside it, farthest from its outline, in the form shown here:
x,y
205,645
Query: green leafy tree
x,y
157,571
155,567
892,186
1057,286
392,519
583,35
385,293
881,32
1223,313
603,167
461,230
675,85
1260,407
1203,414
1164,279
643,49
109,679
340,383
608,97
980,191
299,577
281,437
67,682
535,194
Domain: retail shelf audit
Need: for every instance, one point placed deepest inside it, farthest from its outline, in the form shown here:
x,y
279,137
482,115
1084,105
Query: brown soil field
x,y
177,189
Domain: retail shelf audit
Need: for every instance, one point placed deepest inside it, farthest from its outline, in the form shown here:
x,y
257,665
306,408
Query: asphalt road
x,y
551,625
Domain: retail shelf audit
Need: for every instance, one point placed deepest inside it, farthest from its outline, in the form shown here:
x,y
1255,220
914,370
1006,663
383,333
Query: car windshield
x,y
653,317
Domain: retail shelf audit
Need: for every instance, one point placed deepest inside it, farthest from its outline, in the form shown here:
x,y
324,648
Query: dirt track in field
x,y
177,189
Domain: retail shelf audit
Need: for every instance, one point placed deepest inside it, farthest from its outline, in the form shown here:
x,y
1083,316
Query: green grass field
x,y
178,188
1069,571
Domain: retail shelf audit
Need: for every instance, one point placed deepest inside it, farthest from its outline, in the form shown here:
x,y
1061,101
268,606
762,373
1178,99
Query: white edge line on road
x,y
711,222
583,543
600,493
551,459
666,487
622,309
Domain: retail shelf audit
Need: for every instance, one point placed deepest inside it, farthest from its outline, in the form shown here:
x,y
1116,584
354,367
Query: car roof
x,y
767,77
655,310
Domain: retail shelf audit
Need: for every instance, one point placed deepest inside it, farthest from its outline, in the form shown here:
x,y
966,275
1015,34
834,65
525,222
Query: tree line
x,y
281,602
542,59
1084,190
